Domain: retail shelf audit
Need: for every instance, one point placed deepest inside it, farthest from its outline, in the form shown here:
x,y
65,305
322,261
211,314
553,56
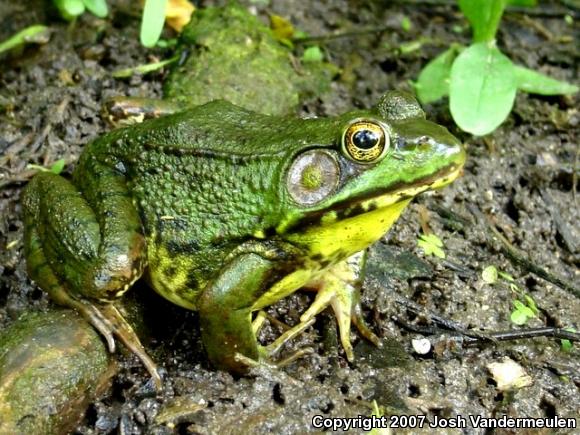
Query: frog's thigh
x,y
339,287
64,235
61,233
63,248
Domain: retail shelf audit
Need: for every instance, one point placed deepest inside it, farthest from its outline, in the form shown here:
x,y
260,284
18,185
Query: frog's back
x,y
203,180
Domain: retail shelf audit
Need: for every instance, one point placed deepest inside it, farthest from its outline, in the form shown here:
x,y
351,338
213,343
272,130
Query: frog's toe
x,y
344,299
266,360
106,319
124,332
268,353
273,348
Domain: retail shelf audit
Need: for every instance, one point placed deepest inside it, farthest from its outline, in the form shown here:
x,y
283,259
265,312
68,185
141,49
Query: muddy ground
x,y
521,179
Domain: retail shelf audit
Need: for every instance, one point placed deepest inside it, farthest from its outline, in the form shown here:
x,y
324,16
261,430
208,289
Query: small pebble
x,y
422,346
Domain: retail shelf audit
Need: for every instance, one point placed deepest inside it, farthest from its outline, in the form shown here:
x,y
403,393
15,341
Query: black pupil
x,y
365,139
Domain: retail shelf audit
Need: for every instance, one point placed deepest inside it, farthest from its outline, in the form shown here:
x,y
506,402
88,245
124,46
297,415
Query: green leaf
x,y
152,22
566,345
406,23
70,9
167,43
482,89
378,413
57,166
411,46
519,305
490,274
97,7
506,276
433,239
524,3
431,244
518,317
433,81
532,304
521,314
143,69
29,34
536,83
484,17
312,54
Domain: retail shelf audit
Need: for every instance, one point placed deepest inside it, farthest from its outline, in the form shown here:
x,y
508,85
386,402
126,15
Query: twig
x,y
494,336
340,34
561,226
517,257
575,177
560,333
441,321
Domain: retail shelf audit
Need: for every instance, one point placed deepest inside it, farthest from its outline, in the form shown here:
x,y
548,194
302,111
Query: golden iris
x,y
365,141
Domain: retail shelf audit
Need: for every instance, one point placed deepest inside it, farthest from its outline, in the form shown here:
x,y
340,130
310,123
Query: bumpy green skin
x,y
199,201
51,364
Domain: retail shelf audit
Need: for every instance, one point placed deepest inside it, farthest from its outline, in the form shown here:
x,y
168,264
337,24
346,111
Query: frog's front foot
x,y
339,288
268,353
249,362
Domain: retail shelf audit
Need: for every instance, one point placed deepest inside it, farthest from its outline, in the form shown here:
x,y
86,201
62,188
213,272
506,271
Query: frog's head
x,y
344,195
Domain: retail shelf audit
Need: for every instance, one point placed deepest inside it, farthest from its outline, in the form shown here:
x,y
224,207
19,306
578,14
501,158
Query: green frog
x,y
226,211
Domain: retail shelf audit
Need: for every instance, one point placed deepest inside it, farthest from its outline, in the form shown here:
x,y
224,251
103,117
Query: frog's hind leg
x,y
63,248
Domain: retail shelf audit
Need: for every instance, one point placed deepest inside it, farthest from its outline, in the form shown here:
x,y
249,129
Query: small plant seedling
x,y
566,345
525,307
378,413
177,13
144,69
32,34
285,33
312,54
480,80
71,9
406,24
56,168
431,245
521,313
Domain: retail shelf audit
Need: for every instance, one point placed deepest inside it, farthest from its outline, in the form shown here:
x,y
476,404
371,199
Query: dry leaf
x,y
178,14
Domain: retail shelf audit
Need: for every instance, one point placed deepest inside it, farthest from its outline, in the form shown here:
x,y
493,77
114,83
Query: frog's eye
x,y
365,141
313,176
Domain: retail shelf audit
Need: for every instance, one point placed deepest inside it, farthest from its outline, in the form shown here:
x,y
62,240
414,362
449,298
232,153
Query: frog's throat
x,y
338,237
394,195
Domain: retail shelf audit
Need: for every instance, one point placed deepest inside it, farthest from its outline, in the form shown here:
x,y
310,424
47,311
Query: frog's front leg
x,y
251,280
339,287
84,246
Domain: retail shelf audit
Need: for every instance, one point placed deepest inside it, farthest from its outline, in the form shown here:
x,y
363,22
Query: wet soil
x,y
522,179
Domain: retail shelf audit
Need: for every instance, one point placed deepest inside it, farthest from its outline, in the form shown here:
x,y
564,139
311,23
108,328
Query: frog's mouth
x,y
378,199
399,193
